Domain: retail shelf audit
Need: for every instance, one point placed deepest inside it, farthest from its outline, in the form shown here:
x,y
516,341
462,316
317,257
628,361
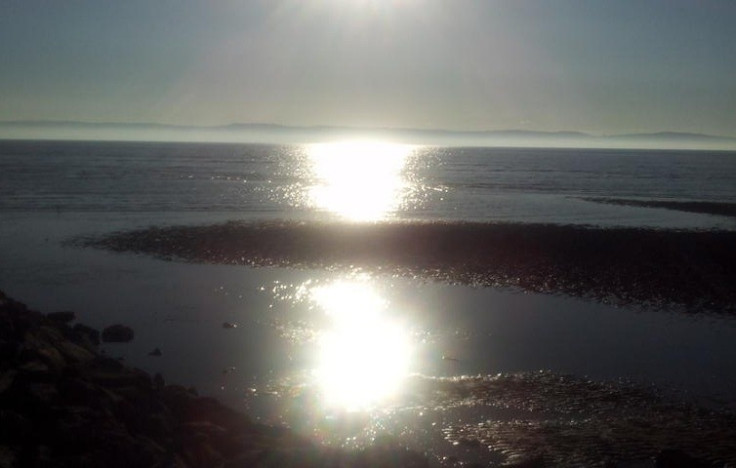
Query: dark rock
x,y
102,363
14,427
537,462
46,359
177,398
8,456
39,455
34,368
87,334
6,379
117,334
245,458
74,353
8,349
16,319
159,427
211,431
155,352
158,381
79,393
127,377
229,325
65,316
202,454
212,411
42,395
673,458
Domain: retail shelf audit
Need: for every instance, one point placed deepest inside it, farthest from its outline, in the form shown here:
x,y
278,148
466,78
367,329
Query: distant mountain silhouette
x,y
674,136
266,132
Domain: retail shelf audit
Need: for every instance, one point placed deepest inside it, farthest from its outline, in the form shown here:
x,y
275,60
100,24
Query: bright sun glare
x,y
364,354
361,181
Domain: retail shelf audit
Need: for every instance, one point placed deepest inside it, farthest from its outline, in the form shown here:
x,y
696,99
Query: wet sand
x,y
692,271
565,421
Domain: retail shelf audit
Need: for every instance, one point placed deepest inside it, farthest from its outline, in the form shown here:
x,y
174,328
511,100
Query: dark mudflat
x,y
713,208
564,421
690,270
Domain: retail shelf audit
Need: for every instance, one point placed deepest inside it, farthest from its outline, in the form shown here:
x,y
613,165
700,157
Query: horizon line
x,y
324,127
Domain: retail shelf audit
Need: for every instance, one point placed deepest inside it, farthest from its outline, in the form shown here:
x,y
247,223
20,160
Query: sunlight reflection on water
x,y
364,353
360,181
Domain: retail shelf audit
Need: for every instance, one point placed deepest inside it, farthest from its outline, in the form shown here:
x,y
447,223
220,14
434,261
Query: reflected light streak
x,y
364,355
361,181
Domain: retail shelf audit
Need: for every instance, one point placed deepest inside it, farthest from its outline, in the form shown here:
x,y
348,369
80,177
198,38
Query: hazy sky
x,y
594,66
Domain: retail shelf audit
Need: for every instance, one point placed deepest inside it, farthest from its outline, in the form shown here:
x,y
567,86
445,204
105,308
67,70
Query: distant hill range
x,y
271,133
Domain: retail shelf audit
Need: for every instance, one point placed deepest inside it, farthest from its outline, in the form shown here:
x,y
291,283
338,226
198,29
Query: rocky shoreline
x,y
64,404
691,270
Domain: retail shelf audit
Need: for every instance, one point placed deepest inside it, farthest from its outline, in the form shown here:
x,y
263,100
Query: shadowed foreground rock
x,y
62,404
117,334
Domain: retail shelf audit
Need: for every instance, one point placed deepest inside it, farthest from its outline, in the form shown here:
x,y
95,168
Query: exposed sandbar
x,y
691,269
712,208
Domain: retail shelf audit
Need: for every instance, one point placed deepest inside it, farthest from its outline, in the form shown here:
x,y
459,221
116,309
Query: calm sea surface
x,y
365,181
353,337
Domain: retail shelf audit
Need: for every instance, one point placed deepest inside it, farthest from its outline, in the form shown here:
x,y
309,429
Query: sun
x,y
358,180
364,354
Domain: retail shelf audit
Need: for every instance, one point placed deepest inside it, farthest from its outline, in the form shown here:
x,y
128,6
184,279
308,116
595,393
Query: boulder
x,y
64,316
6,379
158,381
8,349
117,334
675,458
8,456
74,353
85,334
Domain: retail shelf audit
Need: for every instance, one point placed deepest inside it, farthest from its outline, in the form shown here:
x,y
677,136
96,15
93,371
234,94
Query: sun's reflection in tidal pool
x,y
364,353
360,181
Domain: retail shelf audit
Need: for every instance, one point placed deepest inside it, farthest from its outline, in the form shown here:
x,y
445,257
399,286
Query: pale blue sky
x,y
594,66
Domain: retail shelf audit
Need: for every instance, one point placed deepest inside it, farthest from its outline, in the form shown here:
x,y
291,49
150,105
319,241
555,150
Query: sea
x,y
261,338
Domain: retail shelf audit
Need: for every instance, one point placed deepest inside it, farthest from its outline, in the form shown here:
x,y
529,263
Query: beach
x,y
368,233
488,314
66,404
